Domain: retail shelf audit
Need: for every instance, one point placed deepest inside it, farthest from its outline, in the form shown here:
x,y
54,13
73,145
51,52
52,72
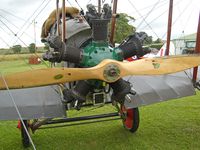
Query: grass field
x,y
169,125
19,65
172,125
24,50
15,57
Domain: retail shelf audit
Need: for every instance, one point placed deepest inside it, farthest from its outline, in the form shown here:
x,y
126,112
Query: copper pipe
x,y
197,50
63,21
113,23
57,17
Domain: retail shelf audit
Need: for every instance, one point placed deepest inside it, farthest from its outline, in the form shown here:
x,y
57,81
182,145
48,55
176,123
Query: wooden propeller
x,y
108,70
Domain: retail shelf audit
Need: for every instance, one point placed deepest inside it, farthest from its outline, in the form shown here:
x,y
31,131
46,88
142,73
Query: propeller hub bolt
x,y
111,73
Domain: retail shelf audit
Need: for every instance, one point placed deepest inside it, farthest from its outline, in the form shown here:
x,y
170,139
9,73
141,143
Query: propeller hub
x,y
111,73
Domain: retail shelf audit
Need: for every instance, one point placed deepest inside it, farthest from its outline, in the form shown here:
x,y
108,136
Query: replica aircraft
x,y
94,72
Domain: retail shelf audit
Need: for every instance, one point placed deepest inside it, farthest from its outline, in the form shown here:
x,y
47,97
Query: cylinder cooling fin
x,y
100,29
132,46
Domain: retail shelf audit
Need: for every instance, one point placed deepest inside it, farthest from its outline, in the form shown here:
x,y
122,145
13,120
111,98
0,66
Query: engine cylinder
x,y
100,29
72,54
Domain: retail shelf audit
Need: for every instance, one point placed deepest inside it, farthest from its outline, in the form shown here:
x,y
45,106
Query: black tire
x,y
24,135
132,119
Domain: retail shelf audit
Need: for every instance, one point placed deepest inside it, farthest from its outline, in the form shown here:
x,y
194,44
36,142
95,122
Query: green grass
x,y
168,125
18,66
15,57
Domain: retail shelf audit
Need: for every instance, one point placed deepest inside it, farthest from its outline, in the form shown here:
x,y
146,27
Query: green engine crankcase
x,y
97,51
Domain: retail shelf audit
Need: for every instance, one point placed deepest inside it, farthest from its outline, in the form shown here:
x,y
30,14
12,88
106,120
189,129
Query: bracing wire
x,y
31,16
78,5
183,11
18,112
188,19
15,26
4,41
143,18
4,55
69,3
42,9
9,21
149,13
10,94
8,12
22,42
155,8
33,19
4,30
89,2
150,6
154,19
158,16
19,37
179,16
179,41
16,17
7,52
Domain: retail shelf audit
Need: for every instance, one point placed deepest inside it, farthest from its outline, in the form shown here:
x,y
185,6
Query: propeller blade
x,y
108,70
47,76
161,65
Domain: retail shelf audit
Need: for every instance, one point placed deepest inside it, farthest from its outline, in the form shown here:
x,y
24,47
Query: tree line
x,y
31,48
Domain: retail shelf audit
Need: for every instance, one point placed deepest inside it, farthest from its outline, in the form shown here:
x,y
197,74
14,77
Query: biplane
x,y
94,72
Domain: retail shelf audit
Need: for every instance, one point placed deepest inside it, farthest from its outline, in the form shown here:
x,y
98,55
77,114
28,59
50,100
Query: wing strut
x,y
197,50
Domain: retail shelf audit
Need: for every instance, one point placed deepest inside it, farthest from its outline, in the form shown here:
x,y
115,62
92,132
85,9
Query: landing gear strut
x,y
24,135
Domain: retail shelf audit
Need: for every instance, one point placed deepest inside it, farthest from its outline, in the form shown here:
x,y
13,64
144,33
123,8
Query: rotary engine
x,y
92,51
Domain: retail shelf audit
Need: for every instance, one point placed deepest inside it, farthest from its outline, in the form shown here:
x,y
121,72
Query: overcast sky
x,y
19,15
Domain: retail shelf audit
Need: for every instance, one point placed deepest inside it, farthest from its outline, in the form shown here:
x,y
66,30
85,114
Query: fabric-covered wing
x,y
33,103
45,102
153,89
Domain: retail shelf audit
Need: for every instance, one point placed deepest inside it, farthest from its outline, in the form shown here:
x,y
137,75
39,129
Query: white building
x,y
185,44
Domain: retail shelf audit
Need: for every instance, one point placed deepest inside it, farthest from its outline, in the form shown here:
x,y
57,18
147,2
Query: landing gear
x,y
24,135
130,118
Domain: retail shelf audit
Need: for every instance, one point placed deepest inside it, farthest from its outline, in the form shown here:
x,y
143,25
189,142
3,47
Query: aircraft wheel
x,y
24,135
131,118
